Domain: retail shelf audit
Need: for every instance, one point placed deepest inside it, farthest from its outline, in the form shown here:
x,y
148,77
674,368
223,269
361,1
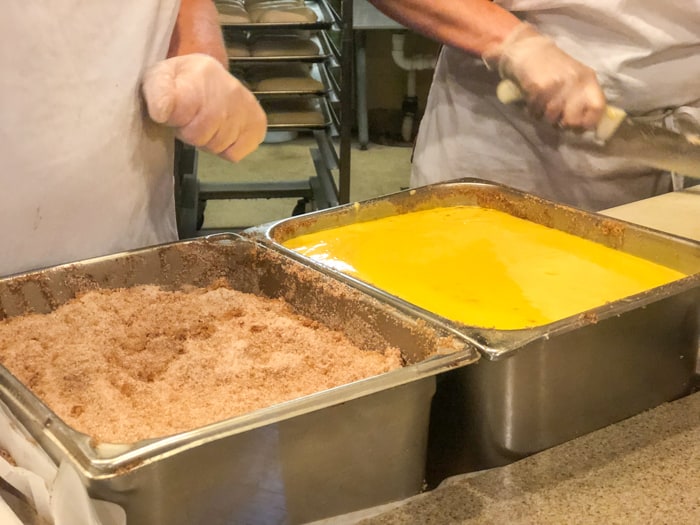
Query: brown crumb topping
x,y
129,364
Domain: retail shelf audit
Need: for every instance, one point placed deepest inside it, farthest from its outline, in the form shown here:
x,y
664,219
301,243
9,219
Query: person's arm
x,y
193,91
197,30
556,86
470,25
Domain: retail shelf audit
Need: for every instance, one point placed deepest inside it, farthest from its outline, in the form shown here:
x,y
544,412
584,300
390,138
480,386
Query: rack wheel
x,y
301,207
201,206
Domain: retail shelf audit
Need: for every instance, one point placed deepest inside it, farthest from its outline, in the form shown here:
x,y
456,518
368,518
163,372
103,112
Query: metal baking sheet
x,y
318,104
290,463
321,41
551,383
317,73
325,20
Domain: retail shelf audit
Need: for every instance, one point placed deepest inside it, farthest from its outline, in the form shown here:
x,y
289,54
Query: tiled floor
x,y
379,170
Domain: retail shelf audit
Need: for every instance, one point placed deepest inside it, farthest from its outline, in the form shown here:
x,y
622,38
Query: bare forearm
x,y
470,25
197,30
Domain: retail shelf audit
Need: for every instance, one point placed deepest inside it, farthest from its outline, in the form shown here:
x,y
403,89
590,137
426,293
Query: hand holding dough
x,y
209,107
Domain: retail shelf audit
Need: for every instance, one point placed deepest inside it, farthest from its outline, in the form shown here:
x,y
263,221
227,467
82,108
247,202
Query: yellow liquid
x,y
483,267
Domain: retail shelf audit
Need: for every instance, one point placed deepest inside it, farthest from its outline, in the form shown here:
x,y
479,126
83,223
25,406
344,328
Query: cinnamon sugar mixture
x,y
129,364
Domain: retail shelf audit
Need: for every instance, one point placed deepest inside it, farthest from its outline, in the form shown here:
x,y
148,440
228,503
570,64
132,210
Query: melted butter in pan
x,y
483,267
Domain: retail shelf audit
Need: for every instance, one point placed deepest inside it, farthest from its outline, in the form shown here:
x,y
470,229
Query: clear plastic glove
x,y
562,90
210,108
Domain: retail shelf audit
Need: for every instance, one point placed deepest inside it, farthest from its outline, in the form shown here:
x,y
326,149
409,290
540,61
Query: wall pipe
x,y
409,107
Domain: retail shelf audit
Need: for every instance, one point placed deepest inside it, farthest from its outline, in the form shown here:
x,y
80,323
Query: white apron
x,y
647,55
84,172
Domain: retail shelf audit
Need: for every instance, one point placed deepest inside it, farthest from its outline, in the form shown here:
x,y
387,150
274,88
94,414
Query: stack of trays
x,y
539,386
333,452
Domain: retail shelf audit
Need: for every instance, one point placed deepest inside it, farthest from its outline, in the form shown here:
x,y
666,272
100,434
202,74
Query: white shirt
x,y
633,45
647,56
84,171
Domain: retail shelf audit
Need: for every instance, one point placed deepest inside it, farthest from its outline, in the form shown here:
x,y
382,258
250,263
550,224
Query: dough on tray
x,y
232,13
283,46
251,4
283,77
302,84
283,15
292,112
265,12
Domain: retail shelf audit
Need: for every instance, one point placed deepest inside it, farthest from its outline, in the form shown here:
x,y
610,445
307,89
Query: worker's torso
x,y
84,173
646,53
647,56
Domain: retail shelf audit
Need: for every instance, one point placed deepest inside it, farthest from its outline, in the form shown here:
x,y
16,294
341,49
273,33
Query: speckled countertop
x,y
644,470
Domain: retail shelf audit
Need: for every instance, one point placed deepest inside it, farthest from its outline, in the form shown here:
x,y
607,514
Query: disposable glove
x,y
562,90
209,107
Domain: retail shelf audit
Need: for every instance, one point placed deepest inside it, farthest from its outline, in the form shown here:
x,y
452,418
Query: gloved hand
x,y
562,90
209,107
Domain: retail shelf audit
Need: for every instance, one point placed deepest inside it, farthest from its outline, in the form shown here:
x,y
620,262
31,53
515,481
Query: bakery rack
x,y
330,100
